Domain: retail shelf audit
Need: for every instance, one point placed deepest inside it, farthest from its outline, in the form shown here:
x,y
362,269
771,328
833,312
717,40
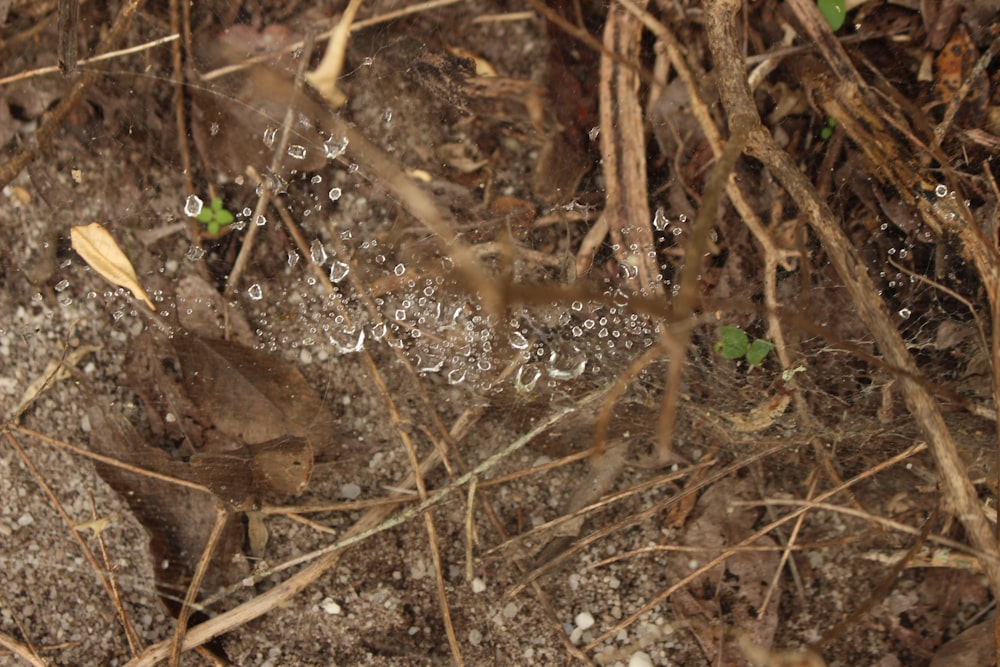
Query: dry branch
x,y
961,495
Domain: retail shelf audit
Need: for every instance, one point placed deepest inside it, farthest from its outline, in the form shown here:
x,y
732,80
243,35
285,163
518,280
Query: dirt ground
x,y
446,275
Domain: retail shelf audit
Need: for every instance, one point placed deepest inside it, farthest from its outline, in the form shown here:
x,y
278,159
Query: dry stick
x,y
329,555
397,425
27,154
638,517
180,117
786,553
721,20
721,558
54,69
131,635
881,591
277,159
221,517
23,651
773,256
623,153
677,339
47,490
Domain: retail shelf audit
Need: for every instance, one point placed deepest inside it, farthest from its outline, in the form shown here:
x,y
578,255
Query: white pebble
x,y
475,637
640,659
478,585
584,620
330,606
350,491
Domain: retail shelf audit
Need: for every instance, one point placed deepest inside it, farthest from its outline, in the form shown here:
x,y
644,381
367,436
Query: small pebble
x,y
478,585
640,659
584,620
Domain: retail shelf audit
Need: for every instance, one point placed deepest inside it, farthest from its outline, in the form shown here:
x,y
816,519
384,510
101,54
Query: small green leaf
x,y
757,351
217,204
834,11
205,216
224,217
733,343
213,228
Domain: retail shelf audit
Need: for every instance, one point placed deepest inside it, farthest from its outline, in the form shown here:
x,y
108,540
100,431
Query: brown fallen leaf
x,y
99,249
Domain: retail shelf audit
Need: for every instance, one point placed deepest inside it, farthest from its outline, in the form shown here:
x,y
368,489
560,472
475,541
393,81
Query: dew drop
x,y
338,271
518,341
905,313
334,148
317,252
335,194
193,206
399,269
61,285
456,376
941,190
297,152
270,134
660,221
255,292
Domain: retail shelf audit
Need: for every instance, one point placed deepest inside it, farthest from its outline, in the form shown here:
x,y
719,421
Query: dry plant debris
x,y
448,388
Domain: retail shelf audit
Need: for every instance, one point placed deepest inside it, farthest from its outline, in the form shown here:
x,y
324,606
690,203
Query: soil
x,y
417,363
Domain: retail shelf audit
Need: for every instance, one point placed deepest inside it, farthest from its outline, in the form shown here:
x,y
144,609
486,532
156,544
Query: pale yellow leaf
x,y
96,525
100,250
324,77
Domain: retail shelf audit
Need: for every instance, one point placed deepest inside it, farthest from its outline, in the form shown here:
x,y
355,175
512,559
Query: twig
x,y
221,518
721,558
721,23
54,69
27,154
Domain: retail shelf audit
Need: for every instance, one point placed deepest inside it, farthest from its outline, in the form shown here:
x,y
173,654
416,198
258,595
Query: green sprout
x,y
734,343
215,216
834,11
827,130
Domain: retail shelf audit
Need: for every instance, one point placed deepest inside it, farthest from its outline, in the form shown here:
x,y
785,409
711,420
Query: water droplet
x,y
456,376
195,253
193,206
594,132
903,253
941,190
526,382
518,341
577,306
61,285
297,152
338,271
676,231
378,331
334,148
213,129
255,292
905,313
387,116
317,252
660,221
351,345
335,194
399,269
293,258
270,134
368,61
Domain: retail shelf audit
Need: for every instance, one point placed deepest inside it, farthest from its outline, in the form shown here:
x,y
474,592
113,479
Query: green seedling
x,y
827,130
734,343
214,216
834,11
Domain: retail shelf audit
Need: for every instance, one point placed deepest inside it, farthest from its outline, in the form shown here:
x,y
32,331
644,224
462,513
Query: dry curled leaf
x,y
99,249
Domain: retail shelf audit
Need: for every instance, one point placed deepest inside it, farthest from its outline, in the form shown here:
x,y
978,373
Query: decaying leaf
x,y
178,519
100,250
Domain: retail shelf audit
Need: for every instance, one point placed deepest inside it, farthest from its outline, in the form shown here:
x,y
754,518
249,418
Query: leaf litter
x,y
188,432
